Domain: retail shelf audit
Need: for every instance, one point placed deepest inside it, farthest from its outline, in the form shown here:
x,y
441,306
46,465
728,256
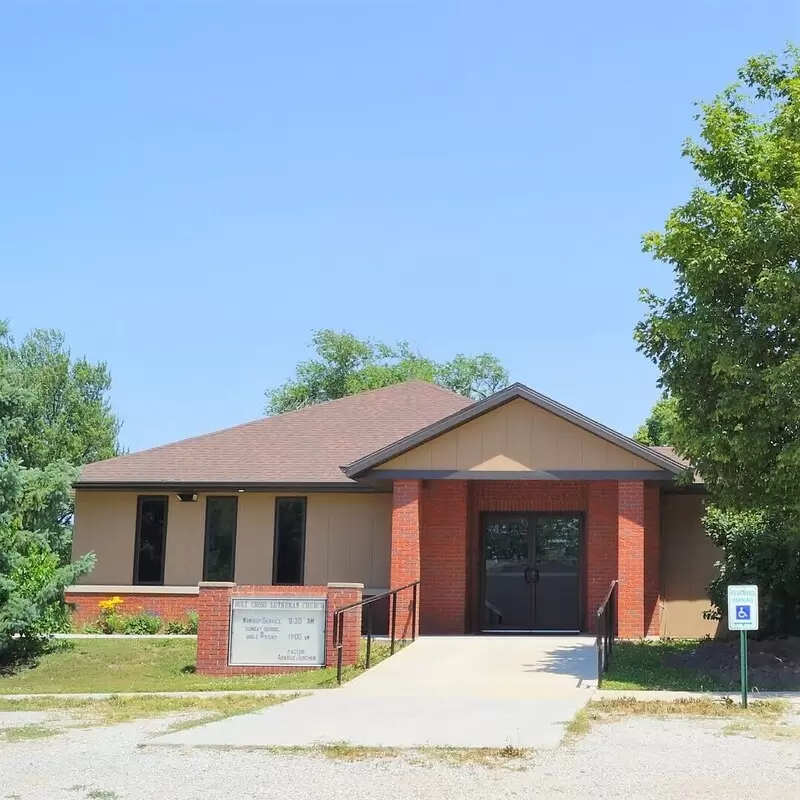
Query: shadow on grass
x,y
708,665
26,654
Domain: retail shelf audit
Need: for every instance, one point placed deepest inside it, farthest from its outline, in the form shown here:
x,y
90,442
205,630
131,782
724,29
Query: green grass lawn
x,y
641,665
141,665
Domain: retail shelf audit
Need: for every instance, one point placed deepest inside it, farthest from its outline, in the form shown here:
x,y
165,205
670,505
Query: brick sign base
x,y
214,607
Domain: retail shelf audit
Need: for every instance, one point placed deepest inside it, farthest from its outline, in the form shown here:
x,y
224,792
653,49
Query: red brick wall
x,y
652,560
405,549
631,559
444,557
214,607
167,606
600,546
451,560
528,496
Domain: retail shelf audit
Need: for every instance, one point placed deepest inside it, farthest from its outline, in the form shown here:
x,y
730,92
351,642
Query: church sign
x,y
277,631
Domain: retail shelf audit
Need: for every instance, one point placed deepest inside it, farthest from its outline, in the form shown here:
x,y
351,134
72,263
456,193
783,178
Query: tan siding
x,y
518,436
105,523
184,547
347,538
687,564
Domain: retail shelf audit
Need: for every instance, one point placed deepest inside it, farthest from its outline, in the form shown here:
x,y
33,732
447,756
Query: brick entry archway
x,y
621,541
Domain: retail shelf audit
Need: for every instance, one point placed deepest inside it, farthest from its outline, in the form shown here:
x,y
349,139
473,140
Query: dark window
x,y
151,540
220,538
290,540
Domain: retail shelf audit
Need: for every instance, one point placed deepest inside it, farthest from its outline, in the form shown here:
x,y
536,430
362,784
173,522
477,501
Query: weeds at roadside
x,y
476,756
764,712
418,756
344,751
24,733
116,710
770,729
580,724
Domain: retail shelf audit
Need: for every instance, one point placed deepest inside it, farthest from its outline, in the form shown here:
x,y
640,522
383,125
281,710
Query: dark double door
x,y
531,578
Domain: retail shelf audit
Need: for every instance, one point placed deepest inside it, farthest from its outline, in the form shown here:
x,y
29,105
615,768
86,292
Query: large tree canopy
x,y
34,530
728,341
347,365
54,416
659,427
68,414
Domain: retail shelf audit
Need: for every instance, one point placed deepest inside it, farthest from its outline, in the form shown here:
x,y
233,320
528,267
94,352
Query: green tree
x,y
727,341
347,365
34,536
659,427
760,546
68,415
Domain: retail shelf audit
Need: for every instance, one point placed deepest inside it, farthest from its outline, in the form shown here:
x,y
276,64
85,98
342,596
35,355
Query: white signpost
x,y
277,631
743,617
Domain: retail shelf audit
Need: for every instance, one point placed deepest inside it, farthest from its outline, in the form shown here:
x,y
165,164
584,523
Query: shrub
x,y
32,575
111,620
183,626
192,622
92,627
761,547
143,623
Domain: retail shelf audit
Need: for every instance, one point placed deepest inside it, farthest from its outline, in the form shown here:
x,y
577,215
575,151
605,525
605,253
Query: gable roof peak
x,y
514,391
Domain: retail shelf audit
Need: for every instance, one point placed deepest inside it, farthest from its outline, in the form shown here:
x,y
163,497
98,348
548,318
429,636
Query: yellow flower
x,y
111,603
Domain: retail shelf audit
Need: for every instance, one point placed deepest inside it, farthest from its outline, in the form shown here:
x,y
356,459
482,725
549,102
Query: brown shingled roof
x,y
300,447
669,452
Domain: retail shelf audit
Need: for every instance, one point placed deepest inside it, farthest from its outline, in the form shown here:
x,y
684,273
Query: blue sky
x,y
188,189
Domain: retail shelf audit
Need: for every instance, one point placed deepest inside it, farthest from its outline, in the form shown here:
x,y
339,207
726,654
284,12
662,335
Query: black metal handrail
x,y
606,631
338,622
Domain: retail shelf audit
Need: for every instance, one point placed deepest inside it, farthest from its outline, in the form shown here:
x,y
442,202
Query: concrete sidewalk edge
x,y
607,694
215,693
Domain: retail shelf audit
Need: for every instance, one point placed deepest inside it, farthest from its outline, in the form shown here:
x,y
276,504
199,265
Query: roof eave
x,y
169,487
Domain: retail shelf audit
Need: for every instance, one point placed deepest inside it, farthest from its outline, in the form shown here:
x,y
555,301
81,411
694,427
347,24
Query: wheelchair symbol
x,y
743,613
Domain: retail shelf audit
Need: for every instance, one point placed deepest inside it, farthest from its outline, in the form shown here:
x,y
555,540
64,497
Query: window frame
x,y
140,499
276,540
207,537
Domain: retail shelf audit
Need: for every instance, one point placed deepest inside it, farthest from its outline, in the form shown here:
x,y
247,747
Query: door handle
x,y
528,574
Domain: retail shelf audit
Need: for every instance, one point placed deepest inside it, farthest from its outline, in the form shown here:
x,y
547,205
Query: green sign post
x,y
743,617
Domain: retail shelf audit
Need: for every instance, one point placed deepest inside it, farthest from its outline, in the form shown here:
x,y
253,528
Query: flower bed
x,y
115,617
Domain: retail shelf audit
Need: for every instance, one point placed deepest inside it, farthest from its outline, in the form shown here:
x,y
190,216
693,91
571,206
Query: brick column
x,y
601,545
652,560
213,609
404,566
631,559
340,595
444,556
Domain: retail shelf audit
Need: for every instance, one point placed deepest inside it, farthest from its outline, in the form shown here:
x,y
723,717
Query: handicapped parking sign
x,y
743,608
743,617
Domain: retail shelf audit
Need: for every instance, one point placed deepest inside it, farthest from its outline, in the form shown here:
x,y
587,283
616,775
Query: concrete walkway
x,y
476,691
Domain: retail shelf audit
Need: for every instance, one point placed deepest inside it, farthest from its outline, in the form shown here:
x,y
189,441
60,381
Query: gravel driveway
x,y
632,758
